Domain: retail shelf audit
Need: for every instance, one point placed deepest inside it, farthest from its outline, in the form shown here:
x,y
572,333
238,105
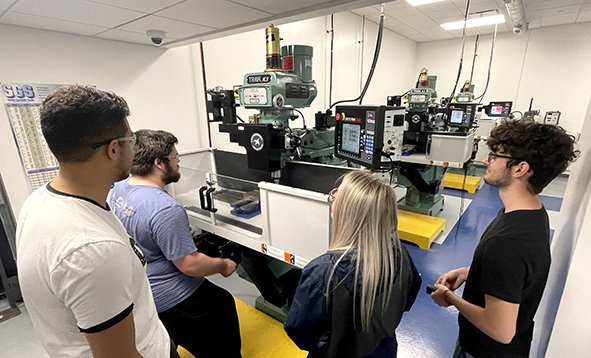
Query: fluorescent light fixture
x,y
479,21
421,2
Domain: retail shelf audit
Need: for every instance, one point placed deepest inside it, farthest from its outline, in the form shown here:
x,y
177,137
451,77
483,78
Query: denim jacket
x,y
332,327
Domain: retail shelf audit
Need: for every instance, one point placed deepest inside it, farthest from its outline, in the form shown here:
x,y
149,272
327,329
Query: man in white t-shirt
x,y
82,277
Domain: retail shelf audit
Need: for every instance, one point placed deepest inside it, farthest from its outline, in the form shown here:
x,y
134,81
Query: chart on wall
x,y
22,102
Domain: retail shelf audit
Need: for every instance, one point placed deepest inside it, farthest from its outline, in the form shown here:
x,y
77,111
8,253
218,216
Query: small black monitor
x,y
461,115
498,109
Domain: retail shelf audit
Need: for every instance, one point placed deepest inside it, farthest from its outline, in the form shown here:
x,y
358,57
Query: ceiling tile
x,y
174,28
482,7
127,36
399,26
214,13
491,29
531,16
437,36
406,31
469,32
374,17
419,38
147,6
586,7
584,16
46,23
78,11
398,4
441,14
402,12
6,4
365,11
417,21
461,4
279,6
389,21
449,19
572,9
437,6
562,19
549,4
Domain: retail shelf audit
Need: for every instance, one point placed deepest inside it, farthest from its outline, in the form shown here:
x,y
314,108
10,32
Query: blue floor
x,y
429,330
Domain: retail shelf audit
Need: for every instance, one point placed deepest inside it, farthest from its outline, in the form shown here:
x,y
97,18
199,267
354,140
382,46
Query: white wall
x,y
563,321
159,85
549,64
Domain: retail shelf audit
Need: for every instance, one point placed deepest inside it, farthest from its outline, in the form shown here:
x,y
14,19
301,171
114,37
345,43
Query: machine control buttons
x,y
257,142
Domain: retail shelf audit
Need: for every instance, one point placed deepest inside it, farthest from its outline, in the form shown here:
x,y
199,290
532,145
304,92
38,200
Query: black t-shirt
x,y
511,263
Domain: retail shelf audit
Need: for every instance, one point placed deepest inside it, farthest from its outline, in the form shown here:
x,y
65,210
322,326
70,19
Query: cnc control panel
x,y
369,135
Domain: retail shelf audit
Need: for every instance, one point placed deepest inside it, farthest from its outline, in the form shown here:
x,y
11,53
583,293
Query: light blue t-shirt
x,y
160,227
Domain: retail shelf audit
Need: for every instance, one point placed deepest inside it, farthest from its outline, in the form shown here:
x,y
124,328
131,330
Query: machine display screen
x,y
457,117
496,110
351,136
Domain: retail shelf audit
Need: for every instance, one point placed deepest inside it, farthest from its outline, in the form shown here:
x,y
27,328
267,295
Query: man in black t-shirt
x,y
506,280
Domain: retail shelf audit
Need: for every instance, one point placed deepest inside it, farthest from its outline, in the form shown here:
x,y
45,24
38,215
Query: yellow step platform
x,y
418,228
456,181
262,336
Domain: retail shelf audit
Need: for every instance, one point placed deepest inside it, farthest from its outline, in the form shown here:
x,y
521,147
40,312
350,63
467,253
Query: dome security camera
x,y
156,36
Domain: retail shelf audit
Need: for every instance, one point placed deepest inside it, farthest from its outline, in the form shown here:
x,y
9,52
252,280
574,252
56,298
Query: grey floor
x,y
18,339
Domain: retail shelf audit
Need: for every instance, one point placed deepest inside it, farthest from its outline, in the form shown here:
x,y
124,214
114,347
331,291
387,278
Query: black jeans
x,y
206,323
173,352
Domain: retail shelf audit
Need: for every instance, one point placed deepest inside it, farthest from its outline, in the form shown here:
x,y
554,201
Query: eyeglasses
x,y
333,194
131,140
492,156
176,156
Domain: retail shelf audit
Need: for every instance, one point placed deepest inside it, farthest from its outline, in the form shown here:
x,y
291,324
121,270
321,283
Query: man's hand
x,y
454,278
439,296
229,268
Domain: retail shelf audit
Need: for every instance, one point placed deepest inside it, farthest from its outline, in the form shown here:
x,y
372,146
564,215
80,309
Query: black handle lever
x,y
202,197
209,198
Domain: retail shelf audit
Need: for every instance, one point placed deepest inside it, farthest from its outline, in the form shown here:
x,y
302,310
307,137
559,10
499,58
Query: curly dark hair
x,y
151,145
73,118
548,149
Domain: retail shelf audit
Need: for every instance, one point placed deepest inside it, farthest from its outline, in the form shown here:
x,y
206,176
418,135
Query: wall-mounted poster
x,y
22,102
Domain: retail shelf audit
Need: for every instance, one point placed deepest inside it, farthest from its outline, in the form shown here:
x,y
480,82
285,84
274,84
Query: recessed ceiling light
x,y
421,2
474,22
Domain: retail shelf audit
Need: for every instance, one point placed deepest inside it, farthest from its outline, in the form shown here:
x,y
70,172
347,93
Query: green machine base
x,y
271,310
424,207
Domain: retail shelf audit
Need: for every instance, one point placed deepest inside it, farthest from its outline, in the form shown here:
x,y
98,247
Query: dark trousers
x,y
460,352
206,323
173,352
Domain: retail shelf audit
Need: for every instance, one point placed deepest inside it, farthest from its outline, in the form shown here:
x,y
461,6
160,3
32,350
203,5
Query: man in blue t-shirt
x,y
199,316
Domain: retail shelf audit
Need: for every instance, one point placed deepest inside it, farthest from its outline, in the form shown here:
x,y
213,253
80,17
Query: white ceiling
x,y
421,23
188,21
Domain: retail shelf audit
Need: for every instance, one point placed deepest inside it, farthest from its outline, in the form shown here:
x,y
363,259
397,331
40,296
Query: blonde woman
x,y
350,300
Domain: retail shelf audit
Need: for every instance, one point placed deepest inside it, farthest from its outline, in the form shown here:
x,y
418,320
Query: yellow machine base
x,y
419,229
455,181
262,336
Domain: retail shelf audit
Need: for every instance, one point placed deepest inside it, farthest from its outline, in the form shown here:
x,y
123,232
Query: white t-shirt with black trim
x,y
80,272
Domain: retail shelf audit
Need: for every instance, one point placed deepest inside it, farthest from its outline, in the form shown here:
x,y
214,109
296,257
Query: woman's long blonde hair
x,y
365,222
